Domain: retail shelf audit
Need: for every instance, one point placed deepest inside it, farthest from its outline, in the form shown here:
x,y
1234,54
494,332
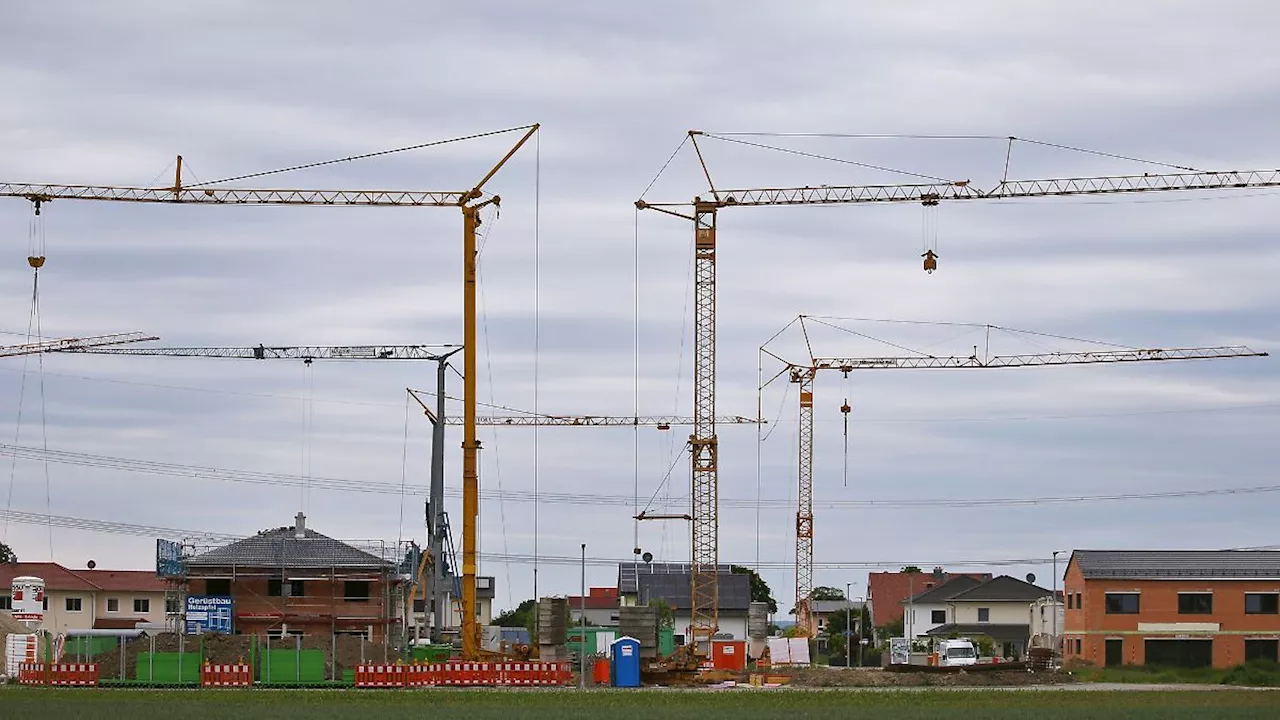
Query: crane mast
x,y
468,201
702,212
804,376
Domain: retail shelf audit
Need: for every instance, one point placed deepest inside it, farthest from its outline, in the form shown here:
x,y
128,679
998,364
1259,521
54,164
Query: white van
x,y
957,652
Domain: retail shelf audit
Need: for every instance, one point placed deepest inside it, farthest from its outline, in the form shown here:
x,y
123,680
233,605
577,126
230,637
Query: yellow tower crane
x,y
803,375
470,202
703,212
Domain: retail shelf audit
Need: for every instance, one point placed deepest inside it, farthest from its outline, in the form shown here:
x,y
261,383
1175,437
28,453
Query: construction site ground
x,y
819,677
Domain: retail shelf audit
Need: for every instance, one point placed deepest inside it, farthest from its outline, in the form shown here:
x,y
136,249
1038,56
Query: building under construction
x,y
295,581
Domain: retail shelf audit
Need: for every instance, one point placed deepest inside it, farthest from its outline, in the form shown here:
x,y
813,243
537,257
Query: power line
x,y
137,530
574,498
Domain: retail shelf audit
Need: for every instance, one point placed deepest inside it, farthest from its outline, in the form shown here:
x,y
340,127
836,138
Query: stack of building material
x,y
757,628
641,623
553,626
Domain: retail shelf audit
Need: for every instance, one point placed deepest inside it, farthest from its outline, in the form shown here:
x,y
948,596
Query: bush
x,y
1255,673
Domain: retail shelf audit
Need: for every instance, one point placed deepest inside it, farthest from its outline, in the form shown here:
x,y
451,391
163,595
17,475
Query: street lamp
x,y
582,632
848,637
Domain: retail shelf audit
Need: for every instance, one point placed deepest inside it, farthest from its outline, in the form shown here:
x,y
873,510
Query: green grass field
x,y
646,704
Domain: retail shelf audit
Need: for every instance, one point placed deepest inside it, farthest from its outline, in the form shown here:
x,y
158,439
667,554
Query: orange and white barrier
x,y
463,674
60,674
380,676
233,675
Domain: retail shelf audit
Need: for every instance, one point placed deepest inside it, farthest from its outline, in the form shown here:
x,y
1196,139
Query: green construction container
x,y
291,666
78,647
167,668
666,640
431,653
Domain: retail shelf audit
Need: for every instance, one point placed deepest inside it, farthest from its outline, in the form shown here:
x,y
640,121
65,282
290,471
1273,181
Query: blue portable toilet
x,y
624,670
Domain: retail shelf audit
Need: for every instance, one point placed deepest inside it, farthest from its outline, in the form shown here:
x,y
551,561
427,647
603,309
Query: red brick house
x,y
601,604
296,581
1172,607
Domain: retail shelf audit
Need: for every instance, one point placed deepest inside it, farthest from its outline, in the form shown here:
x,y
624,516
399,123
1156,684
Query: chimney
x,y
938,574
300,526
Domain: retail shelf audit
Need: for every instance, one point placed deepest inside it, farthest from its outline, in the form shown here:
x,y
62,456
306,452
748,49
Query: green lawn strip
x,y
649,704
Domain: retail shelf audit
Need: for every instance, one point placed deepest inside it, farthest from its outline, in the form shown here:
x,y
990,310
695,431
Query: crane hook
x,y
930,261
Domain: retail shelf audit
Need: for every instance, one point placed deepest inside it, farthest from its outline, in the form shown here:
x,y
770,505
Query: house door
x,y
1115,653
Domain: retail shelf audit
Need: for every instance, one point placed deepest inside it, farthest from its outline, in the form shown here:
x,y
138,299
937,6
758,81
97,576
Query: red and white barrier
x,y
232,675
380,676
463,674
60,674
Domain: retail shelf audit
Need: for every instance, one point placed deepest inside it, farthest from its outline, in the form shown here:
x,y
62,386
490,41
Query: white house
x,y
640,583
999,608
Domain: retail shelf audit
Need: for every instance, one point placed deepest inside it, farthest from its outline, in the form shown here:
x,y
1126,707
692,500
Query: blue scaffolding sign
x,y
209,613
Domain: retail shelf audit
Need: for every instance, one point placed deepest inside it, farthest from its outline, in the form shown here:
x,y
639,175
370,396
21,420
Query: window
x,y
1179,653
419,605
984,614
1122,603
142,605
217,586
6,602
1261,650
356,590
1071,601
277,588
113,604
938,617
74,604
1079,646
1195,603
171,606
1079,602
1262,603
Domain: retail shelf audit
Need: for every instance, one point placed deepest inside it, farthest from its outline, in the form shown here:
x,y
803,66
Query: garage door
x,y
1179,653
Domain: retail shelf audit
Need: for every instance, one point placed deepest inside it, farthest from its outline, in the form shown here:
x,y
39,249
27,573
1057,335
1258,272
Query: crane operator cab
x,y
930,261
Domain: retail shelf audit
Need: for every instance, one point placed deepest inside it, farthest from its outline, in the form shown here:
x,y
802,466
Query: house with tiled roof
x,y
94,599
999,608
600,607
887,590
640,583
295,581
1191,608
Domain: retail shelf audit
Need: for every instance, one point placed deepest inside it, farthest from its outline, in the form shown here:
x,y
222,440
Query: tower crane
x,y
306,353
805,375
74,344
703,213
440,419
470,201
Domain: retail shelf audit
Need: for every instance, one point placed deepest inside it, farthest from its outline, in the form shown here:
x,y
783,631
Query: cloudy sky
x,y
111,95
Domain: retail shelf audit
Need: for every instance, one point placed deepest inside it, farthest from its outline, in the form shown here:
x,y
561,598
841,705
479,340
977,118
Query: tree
x,y
7,555
759,588
823,592
666,615
835,630
519,617
911,569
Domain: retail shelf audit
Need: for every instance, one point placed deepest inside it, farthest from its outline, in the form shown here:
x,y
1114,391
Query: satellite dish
x,y
92,564
647,557
1031,577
